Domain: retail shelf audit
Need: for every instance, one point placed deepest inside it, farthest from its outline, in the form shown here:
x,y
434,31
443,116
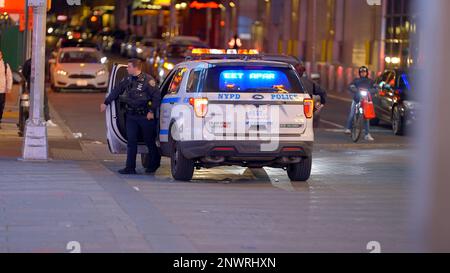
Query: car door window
x,y
391,79
193,80
174,86
166,83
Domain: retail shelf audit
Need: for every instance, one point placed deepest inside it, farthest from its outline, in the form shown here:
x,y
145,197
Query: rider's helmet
x,y
364,69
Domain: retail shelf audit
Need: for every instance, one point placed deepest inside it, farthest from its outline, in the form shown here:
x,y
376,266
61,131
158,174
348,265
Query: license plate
x,y
253,122
82,83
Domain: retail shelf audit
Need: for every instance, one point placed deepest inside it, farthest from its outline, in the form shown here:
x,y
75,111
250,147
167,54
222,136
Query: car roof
x,y
84,49
281,58
235,62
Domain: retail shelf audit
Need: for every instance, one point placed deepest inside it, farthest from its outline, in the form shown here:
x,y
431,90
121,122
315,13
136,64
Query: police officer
x,y
311,86
142,101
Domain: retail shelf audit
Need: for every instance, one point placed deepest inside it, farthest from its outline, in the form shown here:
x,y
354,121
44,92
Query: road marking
x,y
371,130
339,98
332,123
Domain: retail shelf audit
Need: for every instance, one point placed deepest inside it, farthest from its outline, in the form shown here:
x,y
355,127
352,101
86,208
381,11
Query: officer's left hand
x,y
150,116
318,107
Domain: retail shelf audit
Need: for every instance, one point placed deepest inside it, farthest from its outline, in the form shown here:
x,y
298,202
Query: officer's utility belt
x,y
136,111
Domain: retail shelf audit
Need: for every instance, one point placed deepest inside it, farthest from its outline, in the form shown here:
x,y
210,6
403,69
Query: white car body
x,y
202,141
79,75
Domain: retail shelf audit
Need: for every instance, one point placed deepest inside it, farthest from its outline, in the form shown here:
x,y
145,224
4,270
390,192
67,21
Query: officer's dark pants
x,y
148,128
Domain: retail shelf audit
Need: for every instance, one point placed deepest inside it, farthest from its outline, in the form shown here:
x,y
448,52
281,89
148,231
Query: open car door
x,y
116,119
115,115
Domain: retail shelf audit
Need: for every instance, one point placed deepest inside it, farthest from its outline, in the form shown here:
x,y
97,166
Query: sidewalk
x,y
62,144
44,206
43,212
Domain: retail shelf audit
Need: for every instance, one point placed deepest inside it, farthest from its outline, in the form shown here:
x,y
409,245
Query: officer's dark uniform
x,y
314,89
141,96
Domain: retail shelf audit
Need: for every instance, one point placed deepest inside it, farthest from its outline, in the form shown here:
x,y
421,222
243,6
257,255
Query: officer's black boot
x,y
127,171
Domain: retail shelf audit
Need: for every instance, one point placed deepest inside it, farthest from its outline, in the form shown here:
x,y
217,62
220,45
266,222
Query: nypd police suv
x,y
236,110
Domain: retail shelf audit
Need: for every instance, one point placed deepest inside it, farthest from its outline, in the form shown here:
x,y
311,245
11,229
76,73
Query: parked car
x,y
146,47
171,54
127,45
394,102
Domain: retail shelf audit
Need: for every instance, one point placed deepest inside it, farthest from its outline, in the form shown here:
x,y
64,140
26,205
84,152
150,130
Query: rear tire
x,y
300,171
182,168
397,122
357,125
145,160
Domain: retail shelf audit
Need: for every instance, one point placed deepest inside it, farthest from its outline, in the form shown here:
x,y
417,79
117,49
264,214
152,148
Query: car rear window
x,y
182,50
79,57
261,79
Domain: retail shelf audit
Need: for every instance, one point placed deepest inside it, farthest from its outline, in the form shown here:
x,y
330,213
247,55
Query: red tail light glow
x,y
308,107
200,106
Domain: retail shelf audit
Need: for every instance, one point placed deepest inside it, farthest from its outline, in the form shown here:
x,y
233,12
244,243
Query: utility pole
x,y
35,146
25,33
314,37
382,50
173,18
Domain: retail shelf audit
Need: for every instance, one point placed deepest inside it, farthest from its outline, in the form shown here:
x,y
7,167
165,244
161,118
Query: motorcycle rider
x,y
362,82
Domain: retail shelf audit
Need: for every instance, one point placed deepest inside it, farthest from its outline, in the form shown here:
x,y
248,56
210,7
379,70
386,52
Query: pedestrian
x,y
6,83
142,102
235,43
26,71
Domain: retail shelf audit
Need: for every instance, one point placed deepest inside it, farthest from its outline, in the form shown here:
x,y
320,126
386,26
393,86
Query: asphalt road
x,y
355,195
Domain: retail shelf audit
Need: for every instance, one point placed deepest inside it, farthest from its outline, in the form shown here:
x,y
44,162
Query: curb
x,y
366,146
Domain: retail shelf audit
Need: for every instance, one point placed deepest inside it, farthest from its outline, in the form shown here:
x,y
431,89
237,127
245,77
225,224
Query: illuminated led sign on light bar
x,y
262,76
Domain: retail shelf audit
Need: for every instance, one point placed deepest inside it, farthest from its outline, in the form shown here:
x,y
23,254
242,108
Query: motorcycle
x,y
364,110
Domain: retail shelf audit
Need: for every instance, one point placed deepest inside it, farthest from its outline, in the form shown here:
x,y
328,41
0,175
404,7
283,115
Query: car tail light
x,y
308,107
223,149
200,106
292,149
397,94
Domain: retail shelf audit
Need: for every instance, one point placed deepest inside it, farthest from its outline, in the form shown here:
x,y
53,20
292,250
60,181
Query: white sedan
x,y
79,68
